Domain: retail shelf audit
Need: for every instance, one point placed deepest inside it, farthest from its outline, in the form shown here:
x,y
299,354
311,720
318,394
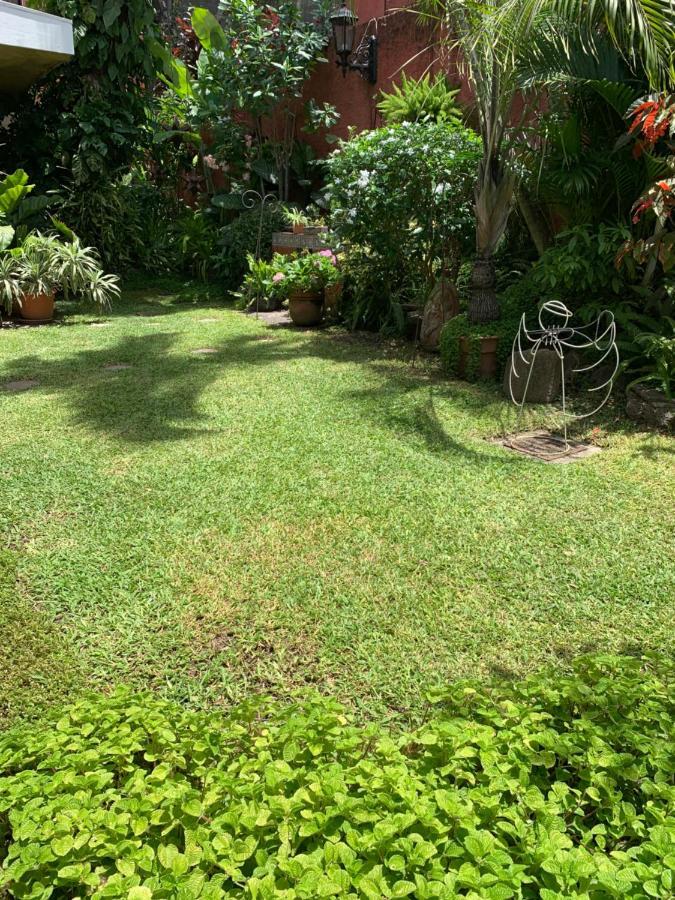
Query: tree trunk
x,y
535,221
483,303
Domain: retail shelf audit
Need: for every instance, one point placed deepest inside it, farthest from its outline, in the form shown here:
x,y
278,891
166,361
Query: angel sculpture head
x,y
595,340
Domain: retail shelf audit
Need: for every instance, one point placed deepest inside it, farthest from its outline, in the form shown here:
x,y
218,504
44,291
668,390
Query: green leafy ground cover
x,y
299,509
551,789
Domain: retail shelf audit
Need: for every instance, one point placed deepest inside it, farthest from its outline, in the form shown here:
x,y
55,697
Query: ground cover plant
x,y
552,788
211,508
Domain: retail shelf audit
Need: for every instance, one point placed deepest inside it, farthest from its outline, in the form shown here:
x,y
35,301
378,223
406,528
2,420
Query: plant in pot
x,y
297,220
306,277
32,274
263,288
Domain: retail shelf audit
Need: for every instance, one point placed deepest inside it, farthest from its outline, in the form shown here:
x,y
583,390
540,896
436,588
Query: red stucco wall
x,y
403,44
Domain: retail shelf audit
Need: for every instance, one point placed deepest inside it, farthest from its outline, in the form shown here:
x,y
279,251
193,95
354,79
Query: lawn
x,y
294,509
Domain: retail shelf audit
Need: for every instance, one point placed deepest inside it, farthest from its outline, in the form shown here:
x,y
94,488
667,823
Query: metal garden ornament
x,y
597,340
250,199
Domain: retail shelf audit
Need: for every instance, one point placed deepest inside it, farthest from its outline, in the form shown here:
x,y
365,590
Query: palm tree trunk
x,y
483,303
494,198
535,221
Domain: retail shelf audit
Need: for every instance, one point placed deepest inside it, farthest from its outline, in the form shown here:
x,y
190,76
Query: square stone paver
x,y
22,384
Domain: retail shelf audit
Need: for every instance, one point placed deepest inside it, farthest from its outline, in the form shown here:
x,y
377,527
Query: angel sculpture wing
x,y
596,339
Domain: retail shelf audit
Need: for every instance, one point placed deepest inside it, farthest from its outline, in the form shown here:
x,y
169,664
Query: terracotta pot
x,y
487,364
487,367
35,308
298,228
305,307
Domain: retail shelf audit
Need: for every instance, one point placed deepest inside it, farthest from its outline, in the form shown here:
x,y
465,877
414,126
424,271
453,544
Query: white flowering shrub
x,y
404,194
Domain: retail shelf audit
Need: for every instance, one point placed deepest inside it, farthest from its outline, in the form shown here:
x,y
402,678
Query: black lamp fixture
x,y
344,22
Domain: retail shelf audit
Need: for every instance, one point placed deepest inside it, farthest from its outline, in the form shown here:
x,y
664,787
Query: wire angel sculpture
x,y
557,334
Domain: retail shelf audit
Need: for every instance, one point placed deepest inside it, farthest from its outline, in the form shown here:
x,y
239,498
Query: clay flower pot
x,y
305,307
299,228
35,308
487,365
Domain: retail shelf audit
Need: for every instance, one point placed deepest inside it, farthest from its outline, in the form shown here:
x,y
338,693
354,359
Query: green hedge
x,y
558,787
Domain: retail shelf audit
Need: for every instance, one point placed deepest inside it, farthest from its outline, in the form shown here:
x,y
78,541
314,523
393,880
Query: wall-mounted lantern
x,y
344,23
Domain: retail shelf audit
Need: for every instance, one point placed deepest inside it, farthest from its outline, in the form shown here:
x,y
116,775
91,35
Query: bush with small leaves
x,y
558,787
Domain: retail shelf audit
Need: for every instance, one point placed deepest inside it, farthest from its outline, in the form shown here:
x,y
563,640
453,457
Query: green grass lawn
x,y
299,509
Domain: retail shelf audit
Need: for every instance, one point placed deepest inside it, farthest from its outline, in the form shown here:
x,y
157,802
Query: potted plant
x,y
297,220
305,279
32,274
263,288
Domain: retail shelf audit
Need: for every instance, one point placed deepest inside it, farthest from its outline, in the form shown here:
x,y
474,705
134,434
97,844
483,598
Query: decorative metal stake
x,y
249,199
598,335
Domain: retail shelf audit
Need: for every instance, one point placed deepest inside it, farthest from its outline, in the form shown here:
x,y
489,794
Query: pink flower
x,y
329,255
278,276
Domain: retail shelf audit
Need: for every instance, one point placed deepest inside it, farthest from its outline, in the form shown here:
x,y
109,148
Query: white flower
x,y
364,178
440,188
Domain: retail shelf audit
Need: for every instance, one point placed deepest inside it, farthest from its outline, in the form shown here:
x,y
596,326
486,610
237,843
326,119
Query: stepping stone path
x,y
205,350
117,367
276,319
23,384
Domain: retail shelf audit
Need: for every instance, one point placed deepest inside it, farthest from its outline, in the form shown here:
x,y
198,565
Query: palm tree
x,y
495,41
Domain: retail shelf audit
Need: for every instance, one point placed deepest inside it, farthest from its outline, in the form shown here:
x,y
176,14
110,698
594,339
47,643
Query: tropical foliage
x,y
556,787
256,61
506,48
87,120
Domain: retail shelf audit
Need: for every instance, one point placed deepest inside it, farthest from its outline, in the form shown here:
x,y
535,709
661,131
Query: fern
x,y
420,100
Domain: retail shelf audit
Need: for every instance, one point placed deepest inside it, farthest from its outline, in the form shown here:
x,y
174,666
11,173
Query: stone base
x,y
545,380
651,407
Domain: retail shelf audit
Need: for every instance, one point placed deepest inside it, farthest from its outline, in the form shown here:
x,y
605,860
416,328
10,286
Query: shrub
x,y
557,787
84,122
130,221
403,194
581,266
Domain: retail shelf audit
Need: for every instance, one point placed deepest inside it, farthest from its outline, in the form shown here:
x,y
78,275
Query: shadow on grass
x,y
154,394
161,301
